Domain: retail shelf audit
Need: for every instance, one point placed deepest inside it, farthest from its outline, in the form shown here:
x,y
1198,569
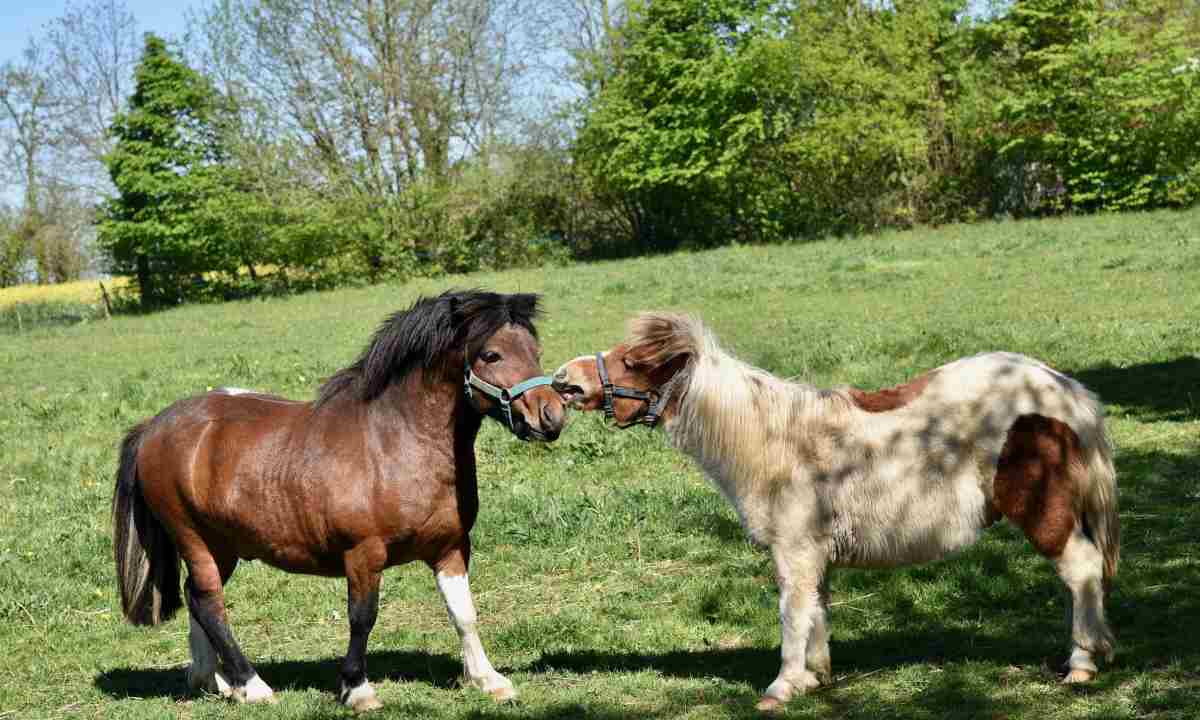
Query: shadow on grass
x,y
1159,391
993,617
1020,617
401,666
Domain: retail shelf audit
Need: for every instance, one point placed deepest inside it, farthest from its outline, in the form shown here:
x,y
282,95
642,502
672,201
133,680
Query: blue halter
x,y
504,397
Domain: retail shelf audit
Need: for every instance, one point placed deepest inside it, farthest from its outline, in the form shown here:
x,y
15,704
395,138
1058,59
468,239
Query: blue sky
x,y
19,19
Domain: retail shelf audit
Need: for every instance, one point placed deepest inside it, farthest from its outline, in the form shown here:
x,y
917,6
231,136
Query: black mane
x,y
421,338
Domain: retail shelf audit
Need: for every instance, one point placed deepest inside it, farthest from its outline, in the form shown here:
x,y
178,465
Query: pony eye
x,y
489,356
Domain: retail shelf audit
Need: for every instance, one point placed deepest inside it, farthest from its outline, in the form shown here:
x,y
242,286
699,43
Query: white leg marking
x,y
224,689
361,698
203,671
235,391
1081,568
456,591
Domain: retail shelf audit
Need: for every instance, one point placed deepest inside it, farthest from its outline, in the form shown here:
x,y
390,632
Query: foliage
x,y
674,129
734,121
170,183
14,249
612,582
876,85
1106,100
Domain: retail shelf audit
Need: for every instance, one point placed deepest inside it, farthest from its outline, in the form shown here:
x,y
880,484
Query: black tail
x,y
147,561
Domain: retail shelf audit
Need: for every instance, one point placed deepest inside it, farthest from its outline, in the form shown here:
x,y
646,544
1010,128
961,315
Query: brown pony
x,y
378,471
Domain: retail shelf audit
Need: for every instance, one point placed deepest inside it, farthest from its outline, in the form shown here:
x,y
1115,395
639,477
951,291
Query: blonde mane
x,y
737,421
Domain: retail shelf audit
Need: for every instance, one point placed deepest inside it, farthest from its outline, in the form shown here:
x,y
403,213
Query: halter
x,y
656,406
504,397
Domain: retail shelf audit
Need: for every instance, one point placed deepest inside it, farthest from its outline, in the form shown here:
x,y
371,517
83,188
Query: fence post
x,y
107,304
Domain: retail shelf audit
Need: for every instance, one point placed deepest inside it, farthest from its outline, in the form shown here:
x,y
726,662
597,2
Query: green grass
x,y
612,581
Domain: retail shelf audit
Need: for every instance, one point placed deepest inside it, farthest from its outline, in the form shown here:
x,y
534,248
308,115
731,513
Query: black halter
x,y
656,405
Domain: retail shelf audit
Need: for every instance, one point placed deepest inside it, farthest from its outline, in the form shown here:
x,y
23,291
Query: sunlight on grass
x,y
612,582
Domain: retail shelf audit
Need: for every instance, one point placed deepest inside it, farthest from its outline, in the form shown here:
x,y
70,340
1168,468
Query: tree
x,y
26,115
676,128
1101,101
14,250
90,53
51,226
166,168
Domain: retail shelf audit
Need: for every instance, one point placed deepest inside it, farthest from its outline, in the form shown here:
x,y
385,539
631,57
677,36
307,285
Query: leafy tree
x,y
166,167
14,248
674,128
1102,101
865,152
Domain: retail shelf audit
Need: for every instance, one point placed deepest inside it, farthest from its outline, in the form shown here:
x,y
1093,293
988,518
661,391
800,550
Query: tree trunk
x,y
145,289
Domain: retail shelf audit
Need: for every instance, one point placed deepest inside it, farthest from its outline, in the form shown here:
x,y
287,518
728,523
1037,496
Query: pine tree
x,y
166,166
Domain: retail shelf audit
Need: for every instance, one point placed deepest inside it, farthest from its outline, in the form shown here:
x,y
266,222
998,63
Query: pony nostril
x,y
551,417
559,380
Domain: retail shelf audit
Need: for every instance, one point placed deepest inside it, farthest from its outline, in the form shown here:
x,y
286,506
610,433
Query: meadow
x,y
611,580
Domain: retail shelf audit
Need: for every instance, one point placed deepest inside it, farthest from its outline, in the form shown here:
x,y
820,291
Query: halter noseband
x,y
504,397
656,405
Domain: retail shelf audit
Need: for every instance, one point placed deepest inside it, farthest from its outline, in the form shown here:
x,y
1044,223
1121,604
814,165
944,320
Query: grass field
x,y
612,582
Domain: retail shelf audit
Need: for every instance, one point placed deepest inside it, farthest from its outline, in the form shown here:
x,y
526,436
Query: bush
x,y
1104,103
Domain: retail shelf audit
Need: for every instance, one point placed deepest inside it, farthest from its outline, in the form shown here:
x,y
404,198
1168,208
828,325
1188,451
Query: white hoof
x,y
496,685
360,699
254,691
780,691
1080,667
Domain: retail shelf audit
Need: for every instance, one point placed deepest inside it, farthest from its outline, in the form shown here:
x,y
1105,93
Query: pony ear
x,y
454,308
524,306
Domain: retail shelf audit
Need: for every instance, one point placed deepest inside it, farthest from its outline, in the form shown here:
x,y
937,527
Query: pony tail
x,y
146,557
1097,483
1100,502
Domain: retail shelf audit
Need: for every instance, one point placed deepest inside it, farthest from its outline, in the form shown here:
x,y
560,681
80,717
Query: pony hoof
x,y
360,699
1078,675
253,692
366,705
769,704
504,694
498,686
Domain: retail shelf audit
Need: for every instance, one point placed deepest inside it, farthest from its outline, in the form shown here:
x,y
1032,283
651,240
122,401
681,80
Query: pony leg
x,y
455,587
816,653
203,674
364,566
1081,567
206,603
800,574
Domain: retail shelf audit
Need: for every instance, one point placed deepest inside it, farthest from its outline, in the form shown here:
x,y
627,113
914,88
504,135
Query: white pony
x,y
843,477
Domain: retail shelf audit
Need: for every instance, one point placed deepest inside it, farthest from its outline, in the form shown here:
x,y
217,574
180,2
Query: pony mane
x,y
656,338
726,405
424,336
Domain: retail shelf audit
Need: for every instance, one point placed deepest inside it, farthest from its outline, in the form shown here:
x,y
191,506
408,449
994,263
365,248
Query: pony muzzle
x,y
503,399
